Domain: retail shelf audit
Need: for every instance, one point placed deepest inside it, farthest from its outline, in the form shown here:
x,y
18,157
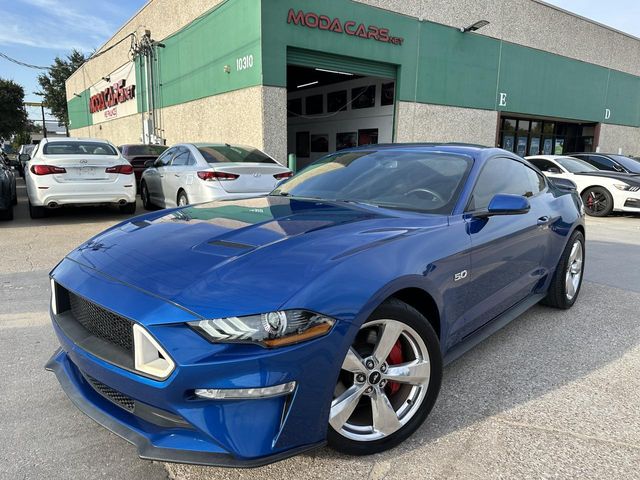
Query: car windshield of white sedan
x,y
575,165
417,181
232,153
78,148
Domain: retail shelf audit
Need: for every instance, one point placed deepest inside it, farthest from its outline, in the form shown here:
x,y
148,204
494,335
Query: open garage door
x,y
336,102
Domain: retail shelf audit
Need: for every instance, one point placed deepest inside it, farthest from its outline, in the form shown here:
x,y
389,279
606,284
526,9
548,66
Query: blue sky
x,y
36,31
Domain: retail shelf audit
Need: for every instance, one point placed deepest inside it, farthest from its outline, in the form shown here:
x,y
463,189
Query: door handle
x,y
176,175
543,220
161,176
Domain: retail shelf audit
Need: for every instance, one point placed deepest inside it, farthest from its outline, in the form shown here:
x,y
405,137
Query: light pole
x,y
41,105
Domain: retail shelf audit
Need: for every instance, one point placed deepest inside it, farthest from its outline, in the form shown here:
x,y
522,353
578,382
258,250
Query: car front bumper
x,y
152,443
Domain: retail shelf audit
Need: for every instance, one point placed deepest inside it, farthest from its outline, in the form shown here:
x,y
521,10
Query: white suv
x,y
78,171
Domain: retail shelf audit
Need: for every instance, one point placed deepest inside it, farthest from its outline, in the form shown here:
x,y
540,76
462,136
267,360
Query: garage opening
x,y
335,103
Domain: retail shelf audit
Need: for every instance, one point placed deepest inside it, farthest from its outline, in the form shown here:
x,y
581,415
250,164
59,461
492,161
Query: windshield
x,y
78,148
628,163
232,153
575,165
135,150
419,181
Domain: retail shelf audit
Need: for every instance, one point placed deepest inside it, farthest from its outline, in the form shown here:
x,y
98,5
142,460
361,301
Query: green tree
x,y
53,84
13,116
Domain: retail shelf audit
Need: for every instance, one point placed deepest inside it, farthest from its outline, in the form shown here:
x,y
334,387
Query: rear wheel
x,y
146,198
598,202
183,200
567,280
14,201
389,381
129,208
37,212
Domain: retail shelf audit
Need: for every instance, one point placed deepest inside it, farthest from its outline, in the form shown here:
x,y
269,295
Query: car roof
x,y
459,148
75,139
547,157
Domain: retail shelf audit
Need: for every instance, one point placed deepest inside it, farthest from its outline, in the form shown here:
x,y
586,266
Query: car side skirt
x,y
491,327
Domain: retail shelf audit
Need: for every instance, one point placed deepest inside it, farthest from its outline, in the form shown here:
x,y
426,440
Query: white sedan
x,y
78,171
200,172
601,192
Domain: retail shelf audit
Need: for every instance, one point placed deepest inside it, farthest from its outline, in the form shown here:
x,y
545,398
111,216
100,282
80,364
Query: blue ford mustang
x,y
241,332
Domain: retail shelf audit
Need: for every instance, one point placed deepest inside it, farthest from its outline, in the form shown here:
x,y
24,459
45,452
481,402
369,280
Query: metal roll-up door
x,y
328,61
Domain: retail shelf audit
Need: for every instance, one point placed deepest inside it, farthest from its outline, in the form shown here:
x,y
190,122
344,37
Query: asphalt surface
x,y
554,394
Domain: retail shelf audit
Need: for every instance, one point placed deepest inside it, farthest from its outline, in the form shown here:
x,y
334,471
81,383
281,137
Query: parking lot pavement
x,y
554,394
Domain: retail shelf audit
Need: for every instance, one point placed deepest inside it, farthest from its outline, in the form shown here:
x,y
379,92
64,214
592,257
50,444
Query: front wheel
x,y
7,214
389,381
598,202
567,280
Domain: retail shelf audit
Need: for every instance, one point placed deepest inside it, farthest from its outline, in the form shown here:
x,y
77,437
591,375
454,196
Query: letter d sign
x,y
607,114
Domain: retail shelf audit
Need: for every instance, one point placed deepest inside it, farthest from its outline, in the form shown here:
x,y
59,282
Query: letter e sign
x,y
503,100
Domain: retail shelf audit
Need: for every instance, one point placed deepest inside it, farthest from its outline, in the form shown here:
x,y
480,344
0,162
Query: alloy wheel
x,y
573,274
383,381
596,202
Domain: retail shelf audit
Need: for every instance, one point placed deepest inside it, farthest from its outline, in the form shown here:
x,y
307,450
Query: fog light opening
x,y
149,357
245,393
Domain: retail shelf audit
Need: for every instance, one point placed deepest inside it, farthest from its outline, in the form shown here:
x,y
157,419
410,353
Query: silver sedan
x,y
199,172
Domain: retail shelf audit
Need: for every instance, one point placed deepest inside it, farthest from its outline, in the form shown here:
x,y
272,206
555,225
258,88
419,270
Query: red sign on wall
x,y
111,96
349,27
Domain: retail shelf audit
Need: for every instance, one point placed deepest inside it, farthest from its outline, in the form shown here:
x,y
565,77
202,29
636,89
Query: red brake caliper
x,y
395,357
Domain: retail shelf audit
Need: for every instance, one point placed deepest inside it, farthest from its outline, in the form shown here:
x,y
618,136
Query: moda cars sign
x,y
115,95
346,27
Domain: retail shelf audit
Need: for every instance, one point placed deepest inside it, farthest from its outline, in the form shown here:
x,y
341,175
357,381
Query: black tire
x,y
144,195
598,202
7,214
128,209
183,199
557,296
14,201
394,309
37,212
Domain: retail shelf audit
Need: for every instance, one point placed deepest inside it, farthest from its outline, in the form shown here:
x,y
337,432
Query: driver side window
x,y
507,176
164,159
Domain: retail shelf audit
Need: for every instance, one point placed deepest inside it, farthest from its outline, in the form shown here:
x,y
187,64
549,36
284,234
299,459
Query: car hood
x,y
243,256
630,178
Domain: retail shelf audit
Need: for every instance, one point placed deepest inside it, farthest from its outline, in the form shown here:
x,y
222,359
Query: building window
x,y
337,101
346,140
294,107
313,105
368,136
387,94
363,97
320,143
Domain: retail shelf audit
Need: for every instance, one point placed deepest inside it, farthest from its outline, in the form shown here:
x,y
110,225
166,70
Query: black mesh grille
x,y
110,394
102,323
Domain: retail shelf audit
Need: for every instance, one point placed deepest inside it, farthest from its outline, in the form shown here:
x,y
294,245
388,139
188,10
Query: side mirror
x,y
149,163
564,184
24,157
503,204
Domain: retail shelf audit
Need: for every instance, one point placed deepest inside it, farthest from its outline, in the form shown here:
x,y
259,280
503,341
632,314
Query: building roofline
x,y
586,19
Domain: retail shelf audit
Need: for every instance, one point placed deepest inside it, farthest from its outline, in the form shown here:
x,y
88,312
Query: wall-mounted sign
x,y
115,95
348,27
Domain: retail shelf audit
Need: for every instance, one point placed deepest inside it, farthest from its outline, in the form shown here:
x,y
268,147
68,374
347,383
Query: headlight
x,y
273,329
627,188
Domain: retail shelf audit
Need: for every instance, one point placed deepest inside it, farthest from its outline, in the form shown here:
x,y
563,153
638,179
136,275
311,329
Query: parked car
x,y
610,162
28,149
78,171
8,194
241,332
139,154
602,193
199,172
